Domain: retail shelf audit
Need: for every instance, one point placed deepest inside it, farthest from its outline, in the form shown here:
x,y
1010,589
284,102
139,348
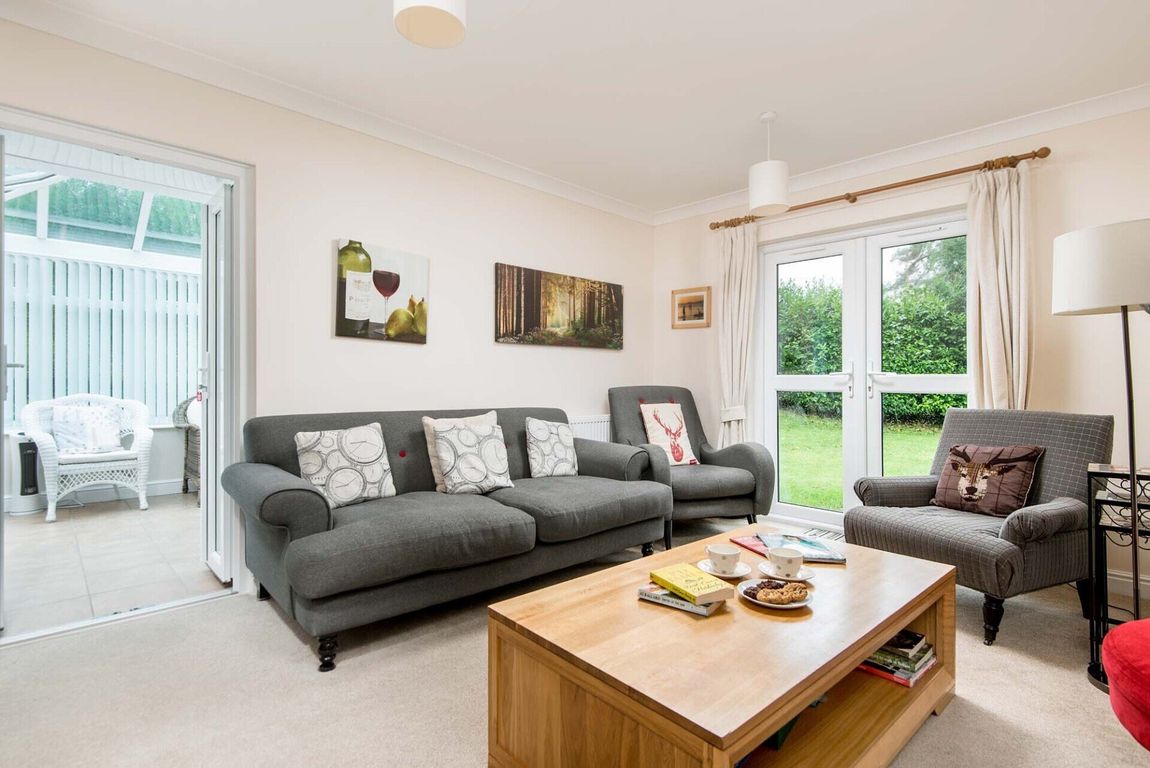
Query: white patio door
x,y
215,353
865,348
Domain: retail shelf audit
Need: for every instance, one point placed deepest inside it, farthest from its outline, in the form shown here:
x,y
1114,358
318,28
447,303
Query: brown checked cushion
x,y
988,480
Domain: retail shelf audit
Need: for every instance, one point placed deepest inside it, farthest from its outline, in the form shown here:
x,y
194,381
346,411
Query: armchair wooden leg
x,y
667,534
1085,588
751,519
262,593
992,611
648,549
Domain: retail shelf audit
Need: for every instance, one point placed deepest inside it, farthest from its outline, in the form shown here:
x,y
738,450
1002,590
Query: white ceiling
x,y
647,104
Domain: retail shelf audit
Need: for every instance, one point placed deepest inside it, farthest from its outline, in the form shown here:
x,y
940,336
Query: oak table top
x,y
715,675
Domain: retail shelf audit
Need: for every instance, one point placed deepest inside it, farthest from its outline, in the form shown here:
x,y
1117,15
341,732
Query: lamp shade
x,y
1102,269
768,187
432,23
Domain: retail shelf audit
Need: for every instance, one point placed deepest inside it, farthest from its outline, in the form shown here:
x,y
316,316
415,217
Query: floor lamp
x,y
1102,270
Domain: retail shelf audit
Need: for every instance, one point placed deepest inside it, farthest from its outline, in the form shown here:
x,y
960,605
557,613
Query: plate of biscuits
x,y
772,593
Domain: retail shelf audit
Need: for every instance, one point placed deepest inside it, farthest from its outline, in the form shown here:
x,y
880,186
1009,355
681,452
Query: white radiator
x,y
592,427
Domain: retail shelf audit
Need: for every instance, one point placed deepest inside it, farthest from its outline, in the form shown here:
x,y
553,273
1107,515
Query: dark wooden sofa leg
x,y
648,549
751,519
1085,587
261,593
328,648
667,534
991,617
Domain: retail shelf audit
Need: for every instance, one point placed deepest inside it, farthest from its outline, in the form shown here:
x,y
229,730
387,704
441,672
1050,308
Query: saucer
x,y
805,573
743,569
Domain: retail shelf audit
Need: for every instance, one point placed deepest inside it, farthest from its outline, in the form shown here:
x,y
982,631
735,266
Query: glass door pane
x,y
810,316
917,350
810,449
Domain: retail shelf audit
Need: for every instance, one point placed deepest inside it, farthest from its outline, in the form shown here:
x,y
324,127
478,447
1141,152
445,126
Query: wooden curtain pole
x,y
1009,161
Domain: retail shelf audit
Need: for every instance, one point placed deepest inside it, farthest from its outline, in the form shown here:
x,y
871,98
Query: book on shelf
x,y
906,643
901,677
898,661
653,593
690,583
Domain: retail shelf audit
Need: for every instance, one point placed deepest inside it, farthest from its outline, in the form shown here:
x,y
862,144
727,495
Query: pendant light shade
x,y
432,23
767,181
768,187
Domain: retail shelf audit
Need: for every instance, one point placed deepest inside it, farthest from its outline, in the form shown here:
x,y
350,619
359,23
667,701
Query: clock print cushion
x,y
429,426
346,465
473,458
551,448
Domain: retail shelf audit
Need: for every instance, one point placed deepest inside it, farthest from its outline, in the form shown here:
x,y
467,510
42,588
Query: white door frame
x,y
861,380
239,390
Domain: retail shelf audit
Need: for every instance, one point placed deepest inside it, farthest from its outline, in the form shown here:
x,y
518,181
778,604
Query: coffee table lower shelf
x,y
864,721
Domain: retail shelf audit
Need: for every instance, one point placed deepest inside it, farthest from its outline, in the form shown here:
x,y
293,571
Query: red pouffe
x,y
1126,659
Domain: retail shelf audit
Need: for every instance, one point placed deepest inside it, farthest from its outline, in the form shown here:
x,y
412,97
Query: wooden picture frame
x,y
691,307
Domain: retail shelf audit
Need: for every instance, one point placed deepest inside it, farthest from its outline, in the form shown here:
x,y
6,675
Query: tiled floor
x,y
101,559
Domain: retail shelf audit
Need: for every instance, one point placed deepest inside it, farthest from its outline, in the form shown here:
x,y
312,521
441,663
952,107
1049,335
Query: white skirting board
x,y
592,427
17,505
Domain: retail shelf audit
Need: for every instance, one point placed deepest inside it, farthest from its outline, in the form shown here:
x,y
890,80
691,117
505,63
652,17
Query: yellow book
x,y
690,583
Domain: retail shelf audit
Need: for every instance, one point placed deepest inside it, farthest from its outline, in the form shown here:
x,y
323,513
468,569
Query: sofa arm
x,y
277,498
914,491
658,465
611,460
756,459
1042,521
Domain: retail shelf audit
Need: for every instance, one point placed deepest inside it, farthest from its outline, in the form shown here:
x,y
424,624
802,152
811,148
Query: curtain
x,y
738,292
998,304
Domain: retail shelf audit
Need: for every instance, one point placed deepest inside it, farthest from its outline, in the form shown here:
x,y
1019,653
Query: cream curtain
x,y
738,292
998,307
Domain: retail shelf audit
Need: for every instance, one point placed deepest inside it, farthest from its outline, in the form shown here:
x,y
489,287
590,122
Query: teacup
x,y
724,558
786,562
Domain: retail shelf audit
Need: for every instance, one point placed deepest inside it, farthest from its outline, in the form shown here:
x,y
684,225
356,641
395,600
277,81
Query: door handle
x,y
849,375
14,365
874,377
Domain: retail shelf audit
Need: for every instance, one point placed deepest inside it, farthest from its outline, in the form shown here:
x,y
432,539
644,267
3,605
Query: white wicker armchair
x,y
70,472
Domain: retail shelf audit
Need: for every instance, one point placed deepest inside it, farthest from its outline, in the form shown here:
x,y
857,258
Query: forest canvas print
x,y
537,307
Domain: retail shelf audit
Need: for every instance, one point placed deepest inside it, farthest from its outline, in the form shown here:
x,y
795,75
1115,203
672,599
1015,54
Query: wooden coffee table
x,y
585,674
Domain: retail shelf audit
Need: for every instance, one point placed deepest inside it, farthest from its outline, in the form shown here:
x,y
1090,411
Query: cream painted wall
x,y
1099,173
316,182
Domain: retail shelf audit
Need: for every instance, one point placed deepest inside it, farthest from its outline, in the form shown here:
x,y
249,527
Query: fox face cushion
x,y
988,480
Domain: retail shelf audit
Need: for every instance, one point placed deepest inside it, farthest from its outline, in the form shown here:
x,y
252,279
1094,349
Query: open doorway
x,y
112,273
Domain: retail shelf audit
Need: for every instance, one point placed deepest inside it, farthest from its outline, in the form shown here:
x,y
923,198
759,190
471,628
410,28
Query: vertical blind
x,y
85,327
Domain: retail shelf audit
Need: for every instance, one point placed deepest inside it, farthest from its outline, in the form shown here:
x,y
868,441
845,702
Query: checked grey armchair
x,y
1038,546
736,481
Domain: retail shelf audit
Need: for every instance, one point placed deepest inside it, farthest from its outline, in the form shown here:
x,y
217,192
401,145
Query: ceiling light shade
x,y
768,188
1102,269
432,23
767,181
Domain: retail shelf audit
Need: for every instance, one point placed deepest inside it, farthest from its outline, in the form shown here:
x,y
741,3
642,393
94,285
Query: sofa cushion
x,y
566,508
710,481
967,540
386,540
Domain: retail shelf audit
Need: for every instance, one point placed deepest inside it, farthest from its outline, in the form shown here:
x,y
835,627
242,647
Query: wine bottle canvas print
x,y
381,293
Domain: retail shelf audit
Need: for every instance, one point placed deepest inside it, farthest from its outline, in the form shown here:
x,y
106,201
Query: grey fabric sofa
x,y
736,481
336,569
1038,546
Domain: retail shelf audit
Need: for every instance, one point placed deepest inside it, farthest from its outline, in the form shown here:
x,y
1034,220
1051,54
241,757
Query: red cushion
x,y
1126,658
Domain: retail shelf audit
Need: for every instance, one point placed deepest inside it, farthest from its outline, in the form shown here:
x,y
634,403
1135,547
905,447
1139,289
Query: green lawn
x,y
811,457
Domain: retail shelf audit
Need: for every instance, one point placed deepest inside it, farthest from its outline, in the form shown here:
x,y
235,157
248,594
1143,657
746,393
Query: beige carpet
x,y
229,683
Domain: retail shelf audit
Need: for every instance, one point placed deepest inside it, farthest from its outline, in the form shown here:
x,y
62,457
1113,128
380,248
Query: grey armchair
x,y
1035,547
736,481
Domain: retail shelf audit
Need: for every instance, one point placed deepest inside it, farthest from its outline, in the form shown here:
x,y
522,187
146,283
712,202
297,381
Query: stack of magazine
x,y
904,659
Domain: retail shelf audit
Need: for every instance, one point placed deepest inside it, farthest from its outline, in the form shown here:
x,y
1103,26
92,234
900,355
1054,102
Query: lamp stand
x,y
1134,490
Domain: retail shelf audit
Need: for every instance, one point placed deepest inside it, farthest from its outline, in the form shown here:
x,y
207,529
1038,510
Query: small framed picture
x,y
691,308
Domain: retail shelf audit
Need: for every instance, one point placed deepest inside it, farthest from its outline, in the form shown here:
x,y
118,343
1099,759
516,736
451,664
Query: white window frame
x,y
861,380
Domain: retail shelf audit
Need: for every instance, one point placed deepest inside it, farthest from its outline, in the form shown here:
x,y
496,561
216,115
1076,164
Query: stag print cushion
x,y
346,465
473,458
667,429
551,448
990,481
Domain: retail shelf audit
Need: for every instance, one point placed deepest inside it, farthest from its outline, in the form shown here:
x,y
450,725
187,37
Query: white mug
x,y
724,557
786,562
